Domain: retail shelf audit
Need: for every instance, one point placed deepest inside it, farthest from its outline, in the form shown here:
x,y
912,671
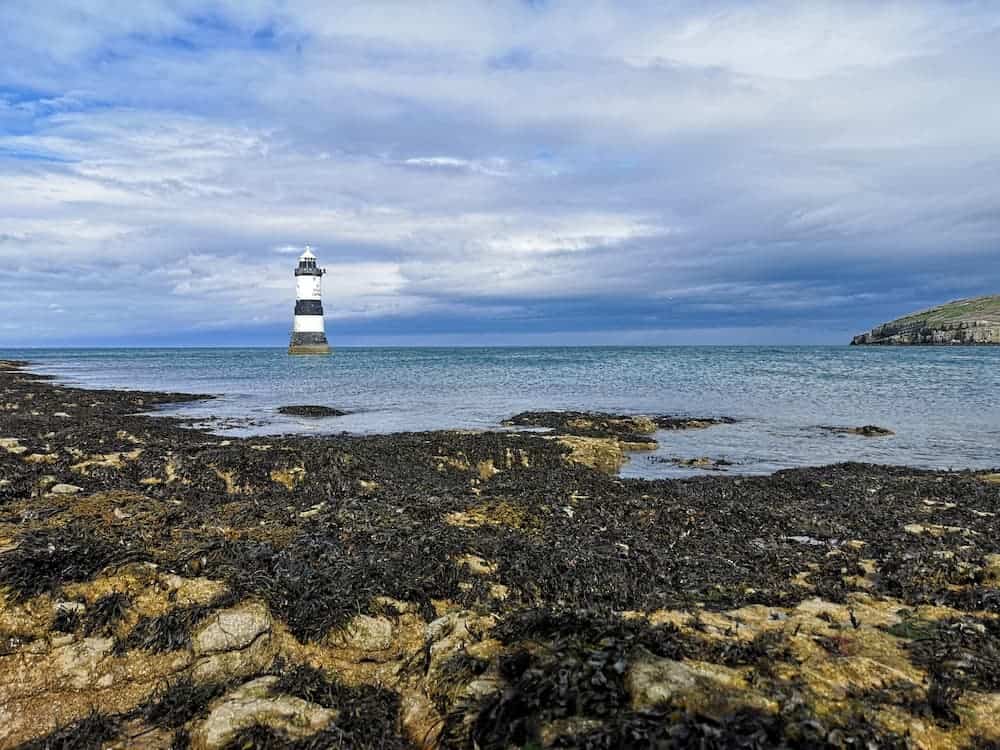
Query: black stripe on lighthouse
x,y
308,307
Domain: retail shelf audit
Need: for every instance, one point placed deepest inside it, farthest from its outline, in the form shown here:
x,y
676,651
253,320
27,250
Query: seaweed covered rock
x,y
690,423
306,410
586,424
255,704
868,430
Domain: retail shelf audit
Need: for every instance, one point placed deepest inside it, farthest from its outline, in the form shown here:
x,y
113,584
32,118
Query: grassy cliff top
x,y
960,311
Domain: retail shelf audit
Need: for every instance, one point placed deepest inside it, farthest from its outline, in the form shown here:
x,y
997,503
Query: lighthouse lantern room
x,y
308,336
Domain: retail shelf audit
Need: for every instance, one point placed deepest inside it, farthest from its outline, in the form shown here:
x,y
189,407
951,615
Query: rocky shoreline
x,y
964,322
164,587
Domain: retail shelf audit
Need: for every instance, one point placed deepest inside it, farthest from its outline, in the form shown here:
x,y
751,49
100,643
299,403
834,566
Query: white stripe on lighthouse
x,y
308,287
308,324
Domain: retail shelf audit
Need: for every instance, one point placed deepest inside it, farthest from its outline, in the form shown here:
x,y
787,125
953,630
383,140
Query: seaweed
x,y
180,701
46,558
103,615
961,652
89,733
668,728
66,620
568,548
936,703
366,714
322,579
172,631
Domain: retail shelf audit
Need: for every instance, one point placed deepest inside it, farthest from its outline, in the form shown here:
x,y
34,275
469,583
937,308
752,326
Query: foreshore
x,y
165,587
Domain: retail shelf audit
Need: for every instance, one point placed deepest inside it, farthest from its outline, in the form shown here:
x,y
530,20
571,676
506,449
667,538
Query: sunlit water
x,y
941,402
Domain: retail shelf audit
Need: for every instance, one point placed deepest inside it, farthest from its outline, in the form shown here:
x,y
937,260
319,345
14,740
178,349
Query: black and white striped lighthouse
x,y
308,336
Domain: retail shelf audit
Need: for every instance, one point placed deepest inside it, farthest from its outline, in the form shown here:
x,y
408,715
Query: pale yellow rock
x,y
77,663
936,530
459,462
495,514
700,686
254,704
42,458
457,632
315,510
290,477
368,487
229,477
499,591
245,662
486,470
992,569
420,719
603,454
12,445
365,633
64,489
106,460
232,629
476,565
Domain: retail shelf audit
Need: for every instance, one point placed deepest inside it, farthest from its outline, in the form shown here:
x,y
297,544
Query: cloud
x,y
509,169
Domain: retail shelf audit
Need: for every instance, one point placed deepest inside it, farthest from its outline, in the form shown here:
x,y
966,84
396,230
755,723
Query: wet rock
x,y
702,462
691,423
311,411
254,705
868,430
587,424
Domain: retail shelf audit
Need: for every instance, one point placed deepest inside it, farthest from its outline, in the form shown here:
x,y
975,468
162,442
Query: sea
x,y
942,403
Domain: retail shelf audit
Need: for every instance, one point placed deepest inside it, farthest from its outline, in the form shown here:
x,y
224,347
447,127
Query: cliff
x,y
964,321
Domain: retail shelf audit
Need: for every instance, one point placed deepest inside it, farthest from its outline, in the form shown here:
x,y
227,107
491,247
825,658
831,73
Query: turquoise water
x,y
941,402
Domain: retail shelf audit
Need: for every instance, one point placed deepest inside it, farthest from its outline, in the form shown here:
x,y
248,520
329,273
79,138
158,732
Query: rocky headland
x,y
164,587
962,322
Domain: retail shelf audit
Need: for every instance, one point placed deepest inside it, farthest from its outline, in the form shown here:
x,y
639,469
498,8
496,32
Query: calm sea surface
x,y
941,402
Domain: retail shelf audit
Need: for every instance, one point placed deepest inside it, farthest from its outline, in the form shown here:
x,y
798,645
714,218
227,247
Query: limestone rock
x,y
457,632
232,629
603,454
246,662
12,445
366,633
65,489
77,664
709,688
254,704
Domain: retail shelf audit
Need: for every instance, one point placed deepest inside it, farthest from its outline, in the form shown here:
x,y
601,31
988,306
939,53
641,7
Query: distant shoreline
x,y
966,322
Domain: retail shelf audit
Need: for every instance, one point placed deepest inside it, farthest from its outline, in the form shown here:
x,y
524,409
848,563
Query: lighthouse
x,y
308,336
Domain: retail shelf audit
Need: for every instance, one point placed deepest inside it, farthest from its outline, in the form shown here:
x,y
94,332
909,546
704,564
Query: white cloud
x,y
491,158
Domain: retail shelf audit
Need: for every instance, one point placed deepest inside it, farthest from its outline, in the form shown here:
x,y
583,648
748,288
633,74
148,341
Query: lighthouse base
x,y
308,343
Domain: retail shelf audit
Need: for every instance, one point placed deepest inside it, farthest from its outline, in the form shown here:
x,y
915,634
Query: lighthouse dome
x,y
308,254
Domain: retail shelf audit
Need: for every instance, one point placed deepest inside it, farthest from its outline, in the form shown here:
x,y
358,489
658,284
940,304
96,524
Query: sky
x,y
494,172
